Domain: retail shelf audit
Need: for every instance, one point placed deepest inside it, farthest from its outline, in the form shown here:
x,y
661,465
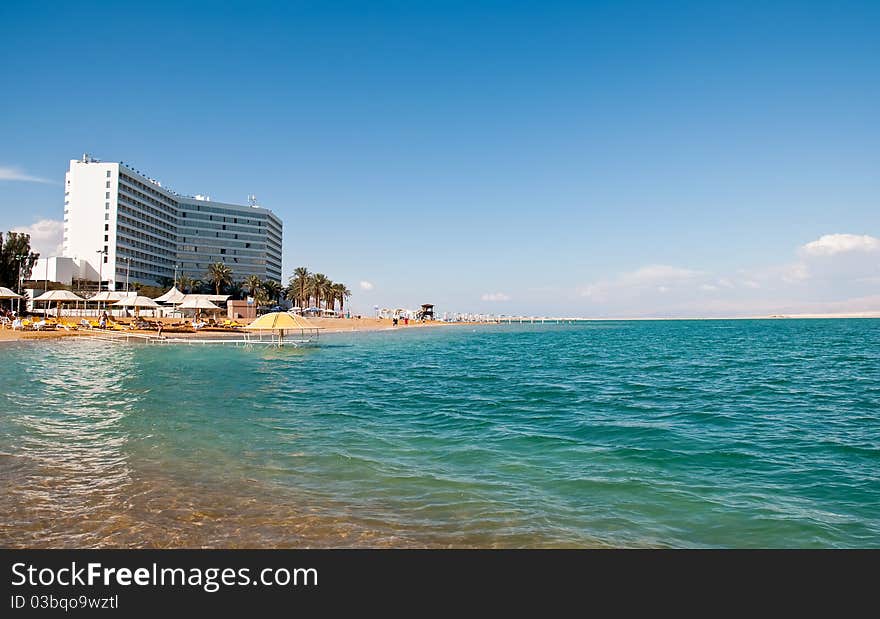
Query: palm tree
x,y
329,295
299,285
253,284
319,287
310,290
260,297
219,274
272,290
342,293
236,290
186,283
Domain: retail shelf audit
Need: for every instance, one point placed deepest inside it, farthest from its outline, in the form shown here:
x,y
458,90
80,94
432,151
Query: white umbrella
x,y
6,293
105,296
109,295
59,296
197,302
136,302
173,296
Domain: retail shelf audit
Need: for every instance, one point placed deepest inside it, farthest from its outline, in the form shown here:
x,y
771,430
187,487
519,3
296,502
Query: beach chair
x,y
5,322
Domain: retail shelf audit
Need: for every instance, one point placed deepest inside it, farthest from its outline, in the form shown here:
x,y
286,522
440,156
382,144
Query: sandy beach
x,y
328,325
346,325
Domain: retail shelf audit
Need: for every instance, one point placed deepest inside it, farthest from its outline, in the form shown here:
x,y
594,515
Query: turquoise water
x,y
671,433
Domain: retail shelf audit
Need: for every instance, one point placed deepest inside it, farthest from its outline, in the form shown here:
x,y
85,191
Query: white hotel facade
x,y
129,228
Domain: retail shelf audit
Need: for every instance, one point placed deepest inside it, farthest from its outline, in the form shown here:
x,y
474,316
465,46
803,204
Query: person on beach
x,y
102,323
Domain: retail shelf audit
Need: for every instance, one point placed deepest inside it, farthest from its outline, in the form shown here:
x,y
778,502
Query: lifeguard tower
x,y
427,311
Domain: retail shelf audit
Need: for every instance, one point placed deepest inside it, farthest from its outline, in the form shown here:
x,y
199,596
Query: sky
x,y
590,159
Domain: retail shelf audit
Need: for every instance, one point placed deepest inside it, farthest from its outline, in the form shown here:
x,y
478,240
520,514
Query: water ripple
x,y
681,433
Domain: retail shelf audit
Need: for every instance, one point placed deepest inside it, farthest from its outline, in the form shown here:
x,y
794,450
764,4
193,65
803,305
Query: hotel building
x,y
130,228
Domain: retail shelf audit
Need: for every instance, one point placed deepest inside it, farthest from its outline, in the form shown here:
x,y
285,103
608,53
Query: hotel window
x,y
106,216
106,227
107,195
106,206
106,237
105,259
222,251
108,184
108,173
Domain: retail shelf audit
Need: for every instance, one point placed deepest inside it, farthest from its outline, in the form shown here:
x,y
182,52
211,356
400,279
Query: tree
x,y
319,287
253,284
17,245
342,293
299,286
186,283
219,274
310,290
236,290
165,282
272,290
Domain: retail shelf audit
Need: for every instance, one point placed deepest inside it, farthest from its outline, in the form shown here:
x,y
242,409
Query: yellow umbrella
x,y
281,322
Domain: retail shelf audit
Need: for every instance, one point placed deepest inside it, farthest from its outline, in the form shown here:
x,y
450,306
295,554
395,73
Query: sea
x,y
634,434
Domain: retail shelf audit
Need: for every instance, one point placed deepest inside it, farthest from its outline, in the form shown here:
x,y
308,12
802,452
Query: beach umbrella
x,y
279,322
173,297
6,293
197,302
108,295
59,296
105,296
136,302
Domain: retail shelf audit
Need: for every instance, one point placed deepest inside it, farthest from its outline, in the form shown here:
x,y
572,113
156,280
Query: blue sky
x,y
586,158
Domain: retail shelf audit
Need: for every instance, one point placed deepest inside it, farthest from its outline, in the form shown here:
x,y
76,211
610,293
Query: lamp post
x,y
20,258
101,254
127,271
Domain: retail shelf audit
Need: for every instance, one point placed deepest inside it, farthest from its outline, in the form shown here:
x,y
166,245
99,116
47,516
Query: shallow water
x,y
673,433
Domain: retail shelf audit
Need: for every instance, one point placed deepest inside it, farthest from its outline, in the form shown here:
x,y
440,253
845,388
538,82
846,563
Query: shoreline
x,y
334,326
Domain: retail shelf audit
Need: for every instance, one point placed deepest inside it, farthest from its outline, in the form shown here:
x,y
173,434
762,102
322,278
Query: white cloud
x,y
653,277
47,236
365,285
16,174
836,272
831,244
654,273
495,296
